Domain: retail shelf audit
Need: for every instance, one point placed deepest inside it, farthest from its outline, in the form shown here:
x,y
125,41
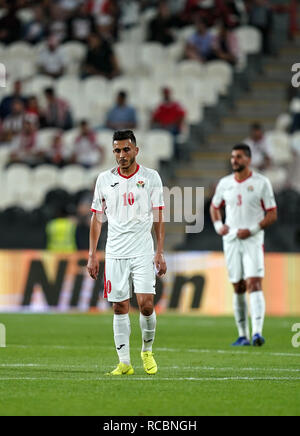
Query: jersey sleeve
x,y
268,198
97,204
157,193
218,200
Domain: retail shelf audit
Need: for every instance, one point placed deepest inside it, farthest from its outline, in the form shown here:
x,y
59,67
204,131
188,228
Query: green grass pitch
x,y
56,364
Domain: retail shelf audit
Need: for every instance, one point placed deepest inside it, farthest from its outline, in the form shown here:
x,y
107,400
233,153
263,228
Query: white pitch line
x,y
153,378
188,368
162,349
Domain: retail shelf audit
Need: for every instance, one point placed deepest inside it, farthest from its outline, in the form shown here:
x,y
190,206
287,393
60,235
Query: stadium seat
x,y
175,51
189,68
45,177
75,53
18,179
46,136
68,87
295,142
277,176
37,85
221,72
147,93
160,143
104,138
249,39
4,156
72,178
281,147
283,122
21,50
128,56
20,68
151,53
25,15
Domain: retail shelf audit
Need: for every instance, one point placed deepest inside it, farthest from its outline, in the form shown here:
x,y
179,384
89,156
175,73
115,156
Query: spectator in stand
x,y
261,17
57,154
6,104
66,8
35,30
160,27
57,113
10,25
121,116
100,59
87,152
260,147
200,46
226,45
51,60
81,25
57,26
170,116
13,123
25,146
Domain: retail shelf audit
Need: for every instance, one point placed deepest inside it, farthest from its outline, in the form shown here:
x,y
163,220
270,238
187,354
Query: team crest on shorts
x,y
250,188
140,184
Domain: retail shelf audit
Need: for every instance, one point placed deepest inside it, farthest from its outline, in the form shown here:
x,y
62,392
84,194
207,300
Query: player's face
x,y
125,152
239,160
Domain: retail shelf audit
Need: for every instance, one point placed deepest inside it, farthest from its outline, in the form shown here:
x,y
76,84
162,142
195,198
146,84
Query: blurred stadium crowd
x,y
77,70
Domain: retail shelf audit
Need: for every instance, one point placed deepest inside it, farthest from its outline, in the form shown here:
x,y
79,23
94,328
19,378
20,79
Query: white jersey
x,y
128,203
245,201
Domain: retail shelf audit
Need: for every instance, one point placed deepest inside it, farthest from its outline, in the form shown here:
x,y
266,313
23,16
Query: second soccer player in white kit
x,y
250,208
131,197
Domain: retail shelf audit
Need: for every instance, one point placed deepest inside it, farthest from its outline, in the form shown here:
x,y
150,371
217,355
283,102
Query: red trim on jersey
x,y
105,291
96,211
128,177
220,207
264,208
158,208
241,181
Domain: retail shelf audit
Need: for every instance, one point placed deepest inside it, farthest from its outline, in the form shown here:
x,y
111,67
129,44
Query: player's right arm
x,y
95,231
216,217
215,212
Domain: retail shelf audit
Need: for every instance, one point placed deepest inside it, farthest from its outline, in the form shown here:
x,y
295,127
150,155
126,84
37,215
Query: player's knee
x,y
119,309
147,309
240,288
254,285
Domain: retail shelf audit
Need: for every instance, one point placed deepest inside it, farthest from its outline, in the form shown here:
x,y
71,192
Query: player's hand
x,y
93,267
243,233
224,230
160,264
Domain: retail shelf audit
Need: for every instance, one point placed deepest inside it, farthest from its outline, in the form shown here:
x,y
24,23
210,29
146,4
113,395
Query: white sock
x,y
257,308
148,324
121,335
240,309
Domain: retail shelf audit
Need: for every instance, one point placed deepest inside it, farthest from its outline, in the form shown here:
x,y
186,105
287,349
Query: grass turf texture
x,y
55,365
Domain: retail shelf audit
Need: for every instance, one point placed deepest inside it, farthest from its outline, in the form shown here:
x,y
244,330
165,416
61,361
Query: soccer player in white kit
x,y
131,197
250,207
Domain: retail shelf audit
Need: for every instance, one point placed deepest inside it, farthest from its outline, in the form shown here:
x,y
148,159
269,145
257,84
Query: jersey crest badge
x,y
250,188
140,184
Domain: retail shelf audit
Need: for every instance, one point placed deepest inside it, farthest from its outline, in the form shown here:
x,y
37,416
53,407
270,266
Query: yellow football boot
x,y
150,365
122,369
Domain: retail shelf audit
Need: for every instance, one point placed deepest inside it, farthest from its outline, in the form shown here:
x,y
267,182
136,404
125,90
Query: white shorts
x,y
121,274
244,258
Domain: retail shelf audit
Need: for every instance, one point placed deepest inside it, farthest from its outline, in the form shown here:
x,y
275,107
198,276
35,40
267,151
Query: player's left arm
x,y
159,228
270,216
